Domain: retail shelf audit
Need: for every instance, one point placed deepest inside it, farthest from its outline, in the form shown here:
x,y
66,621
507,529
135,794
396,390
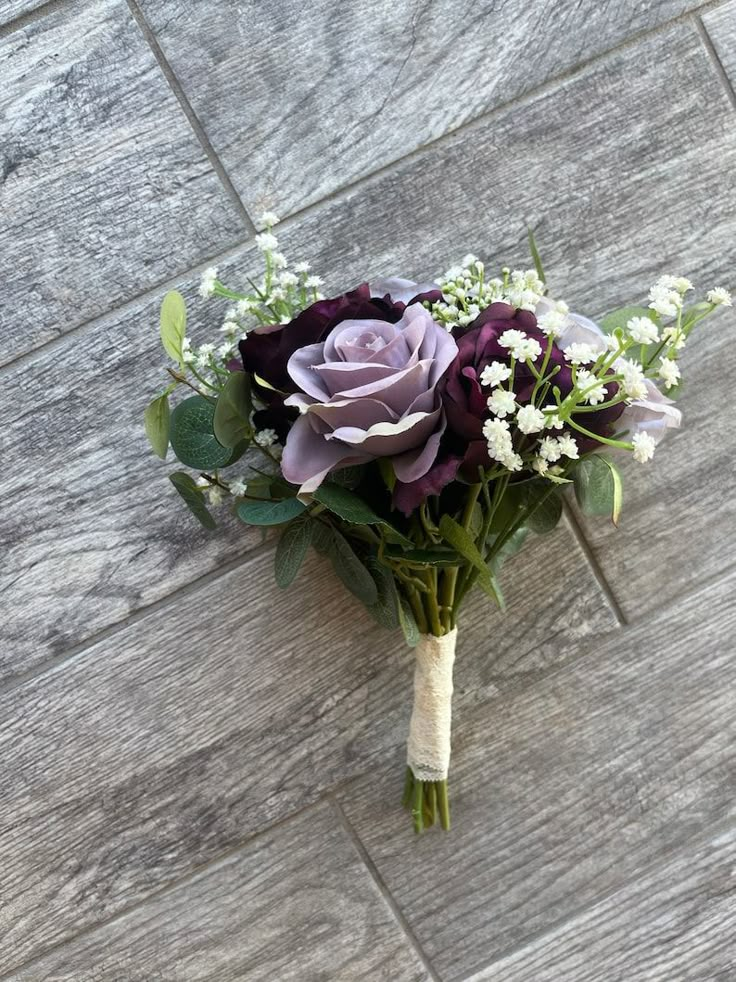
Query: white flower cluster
x,y
466,292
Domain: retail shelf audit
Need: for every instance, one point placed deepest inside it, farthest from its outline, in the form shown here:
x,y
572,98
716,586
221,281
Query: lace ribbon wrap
x,y
428,747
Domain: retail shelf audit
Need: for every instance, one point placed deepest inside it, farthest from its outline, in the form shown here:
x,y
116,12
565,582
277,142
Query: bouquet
x,y
415,435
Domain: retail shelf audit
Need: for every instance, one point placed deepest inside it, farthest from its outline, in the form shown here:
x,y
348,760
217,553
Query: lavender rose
x,y
369,390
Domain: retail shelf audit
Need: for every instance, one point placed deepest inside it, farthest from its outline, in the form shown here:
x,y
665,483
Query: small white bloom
x,y
540,465
502,403
511,338
266,438
268,218
469,260
188,356
562,307
528,350
674,337
244,307
529,419
612,342
279,260
642,330
552,323
266,242
669,371
580,353
276,294
230,327
634,382
644,446
586,382
549,449
214,495
551,420
238,488
568,446
207,283
512,462
205,350
302,267
495,373
312,282
225,352
664,300
720,297
288,279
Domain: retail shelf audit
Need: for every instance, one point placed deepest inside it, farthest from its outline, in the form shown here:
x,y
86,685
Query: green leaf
x,y
598,486
192,436
510,547
544,512
408,623
156,421
621,317
460,539
231,421
387,473
348,477
385,609
351,508
322,538
291,550
192,497
535,256
173,325
270,512
351,570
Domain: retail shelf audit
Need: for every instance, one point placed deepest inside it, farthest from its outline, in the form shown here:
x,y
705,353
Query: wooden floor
x,y
200,774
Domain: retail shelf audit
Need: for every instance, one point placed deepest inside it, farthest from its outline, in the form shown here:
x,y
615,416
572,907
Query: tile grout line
x,y
190,114
593,563
714,57
336,196
370,866
718,828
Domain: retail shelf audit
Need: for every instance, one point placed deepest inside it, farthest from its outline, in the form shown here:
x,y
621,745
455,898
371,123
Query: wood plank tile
x,y
389,78
721,27
674,922
105,189
173,741
12,9
295,903
656,186
568,790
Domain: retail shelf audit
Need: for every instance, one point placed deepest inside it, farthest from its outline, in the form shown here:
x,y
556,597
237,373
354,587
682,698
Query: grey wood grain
x,y
179,737
295,903
674,922
721,27
114,529
568,790
12,9
104,188
388,77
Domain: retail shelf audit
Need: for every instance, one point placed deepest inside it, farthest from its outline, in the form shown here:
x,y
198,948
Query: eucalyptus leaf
x,y
156,421
291,549
544,512
351,570
192,496
270,512
351,508
173,325
192,435
408,623
598,486
385,609
231,421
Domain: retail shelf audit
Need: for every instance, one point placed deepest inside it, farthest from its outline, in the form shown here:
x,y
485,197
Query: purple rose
x,y
465,400
369,390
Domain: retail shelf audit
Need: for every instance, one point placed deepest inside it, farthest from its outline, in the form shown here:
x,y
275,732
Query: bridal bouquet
x,y
415,435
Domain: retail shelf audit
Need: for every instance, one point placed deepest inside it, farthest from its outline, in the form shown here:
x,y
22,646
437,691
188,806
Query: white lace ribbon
x,y
428,747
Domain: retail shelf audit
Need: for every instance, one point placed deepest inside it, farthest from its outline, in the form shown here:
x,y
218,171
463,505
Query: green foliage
x,y
173,324
291,549
544,509
192,435
386,608
461,540
351,570
511,546
270,512
438,556
621,317
231,420
192,496
408,623
598,486
156,421
535,256
351,508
